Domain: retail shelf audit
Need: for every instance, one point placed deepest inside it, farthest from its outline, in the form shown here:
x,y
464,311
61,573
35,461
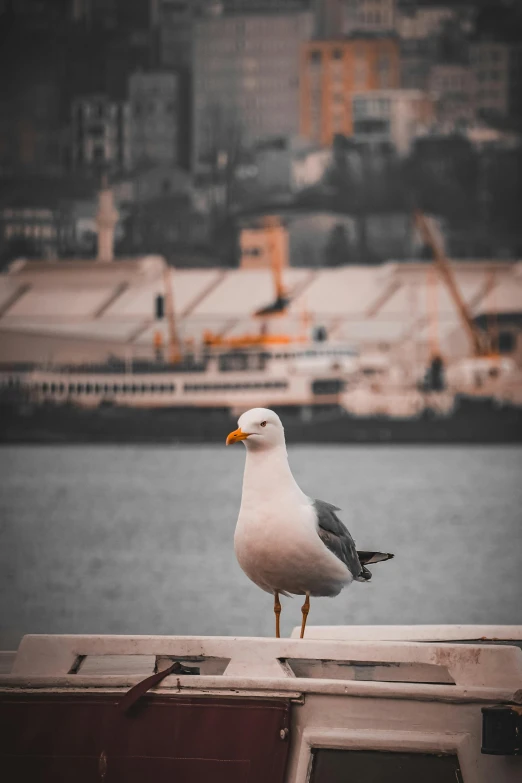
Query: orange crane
x,y
280,304
479,341
278,307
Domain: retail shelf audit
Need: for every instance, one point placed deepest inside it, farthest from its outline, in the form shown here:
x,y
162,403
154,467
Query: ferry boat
x,y
441,704
325,391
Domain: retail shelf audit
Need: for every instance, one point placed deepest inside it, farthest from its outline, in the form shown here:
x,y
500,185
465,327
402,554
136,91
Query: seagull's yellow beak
x,y
236,435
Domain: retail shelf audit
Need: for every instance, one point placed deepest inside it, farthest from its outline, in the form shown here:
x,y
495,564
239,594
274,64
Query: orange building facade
x,y
332,71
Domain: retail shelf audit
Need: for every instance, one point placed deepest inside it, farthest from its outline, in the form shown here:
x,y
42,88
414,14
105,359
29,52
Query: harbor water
x,y
108,539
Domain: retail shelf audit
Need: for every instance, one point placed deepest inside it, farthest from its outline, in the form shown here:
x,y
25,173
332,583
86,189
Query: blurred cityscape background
x,y
174,173
204,114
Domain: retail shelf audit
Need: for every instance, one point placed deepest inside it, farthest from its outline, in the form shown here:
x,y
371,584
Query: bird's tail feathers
x,y
365,558
374,557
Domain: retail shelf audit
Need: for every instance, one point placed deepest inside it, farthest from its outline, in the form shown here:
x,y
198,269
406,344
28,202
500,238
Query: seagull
x,y
285,542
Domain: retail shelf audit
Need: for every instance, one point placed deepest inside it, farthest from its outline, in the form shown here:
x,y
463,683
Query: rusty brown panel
x,y
56,736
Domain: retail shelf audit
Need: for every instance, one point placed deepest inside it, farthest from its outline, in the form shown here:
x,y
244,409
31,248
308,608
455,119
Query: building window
x,y
383,70
506,342
360,74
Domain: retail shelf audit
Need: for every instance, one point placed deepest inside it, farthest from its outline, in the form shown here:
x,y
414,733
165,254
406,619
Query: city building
x,y
417,58
154,120
113,14
332,71
281,167
42,230
431,32
100,134
173,21
417,22
451,89
149,182
38,215
344,17
492,73
368,16
245,81
391,117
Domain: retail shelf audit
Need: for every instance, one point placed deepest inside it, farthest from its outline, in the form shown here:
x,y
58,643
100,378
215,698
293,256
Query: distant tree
x,y
337,251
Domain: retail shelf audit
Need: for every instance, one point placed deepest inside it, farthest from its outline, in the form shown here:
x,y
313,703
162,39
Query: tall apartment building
x,y
100,133
415,22
245,79
332,71
391,117
153,99
491,65
173,22
451,88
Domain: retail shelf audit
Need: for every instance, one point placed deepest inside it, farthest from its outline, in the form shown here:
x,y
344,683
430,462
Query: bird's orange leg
x,y
277,612
305,609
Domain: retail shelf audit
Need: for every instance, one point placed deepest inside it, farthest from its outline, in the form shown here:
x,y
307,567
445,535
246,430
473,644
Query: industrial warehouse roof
x,y
76,310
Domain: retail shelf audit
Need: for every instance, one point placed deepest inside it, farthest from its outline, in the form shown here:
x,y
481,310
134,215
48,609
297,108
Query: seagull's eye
x,y
263,423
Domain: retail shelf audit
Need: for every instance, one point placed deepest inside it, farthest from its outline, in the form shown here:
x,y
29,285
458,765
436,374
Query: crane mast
x,y
174,351
272,229
478,341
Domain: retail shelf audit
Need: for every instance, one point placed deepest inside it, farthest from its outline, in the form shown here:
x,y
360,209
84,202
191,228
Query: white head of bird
x,y
260,429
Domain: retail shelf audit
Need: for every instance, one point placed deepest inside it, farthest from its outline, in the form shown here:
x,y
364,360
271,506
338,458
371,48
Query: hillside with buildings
x,y
340,116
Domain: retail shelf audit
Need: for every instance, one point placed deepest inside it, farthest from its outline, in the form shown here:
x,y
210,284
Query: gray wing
x,y
336,537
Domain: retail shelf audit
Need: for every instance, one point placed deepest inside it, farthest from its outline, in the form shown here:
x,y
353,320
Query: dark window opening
x,y
506,342
339,766
327,386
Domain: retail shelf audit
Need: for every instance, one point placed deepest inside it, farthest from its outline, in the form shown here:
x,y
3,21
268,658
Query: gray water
x,y
140,539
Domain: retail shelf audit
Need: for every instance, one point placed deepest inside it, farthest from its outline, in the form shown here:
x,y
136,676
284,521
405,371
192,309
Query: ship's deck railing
x,y
371,667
